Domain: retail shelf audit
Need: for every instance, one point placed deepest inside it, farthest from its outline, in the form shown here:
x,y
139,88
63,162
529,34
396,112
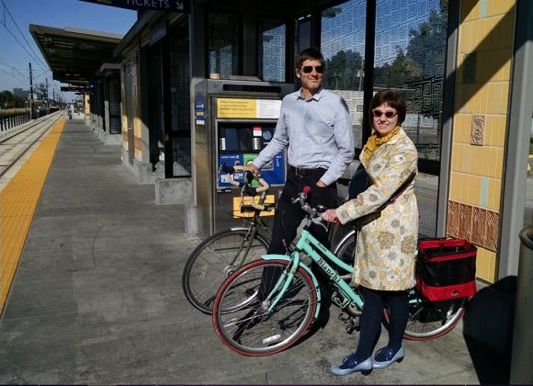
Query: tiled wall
x,y
483,77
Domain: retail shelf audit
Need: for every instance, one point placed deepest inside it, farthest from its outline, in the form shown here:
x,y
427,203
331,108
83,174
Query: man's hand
x,y
252,168
330,215
320,184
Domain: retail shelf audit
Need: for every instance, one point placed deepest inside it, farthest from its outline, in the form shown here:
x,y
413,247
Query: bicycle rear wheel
x,y
241,318
345,250
430,320
214,260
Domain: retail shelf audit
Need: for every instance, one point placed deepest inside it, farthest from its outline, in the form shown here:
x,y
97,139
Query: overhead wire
x,y
13,75
31,54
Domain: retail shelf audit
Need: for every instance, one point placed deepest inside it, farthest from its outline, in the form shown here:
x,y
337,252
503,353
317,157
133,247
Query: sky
x,y
18,50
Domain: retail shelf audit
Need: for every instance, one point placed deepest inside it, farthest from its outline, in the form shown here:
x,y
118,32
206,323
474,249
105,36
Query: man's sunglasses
x,y
388,114
309,69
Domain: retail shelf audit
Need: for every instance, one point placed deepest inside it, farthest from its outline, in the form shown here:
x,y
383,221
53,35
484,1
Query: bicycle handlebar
x,y
246,185
314,214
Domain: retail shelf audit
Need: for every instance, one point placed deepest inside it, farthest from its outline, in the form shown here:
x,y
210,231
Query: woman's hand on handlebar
x,y
330,215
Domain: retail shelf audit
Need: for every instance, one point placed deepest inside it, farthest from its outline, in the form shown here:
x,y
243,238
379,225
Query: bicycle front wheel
x,y
241,315
430,320
214,260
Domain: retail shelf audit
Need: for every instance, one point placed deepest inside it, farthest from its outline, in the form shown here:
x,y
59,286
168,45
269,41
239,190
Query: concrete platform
x,y
97,298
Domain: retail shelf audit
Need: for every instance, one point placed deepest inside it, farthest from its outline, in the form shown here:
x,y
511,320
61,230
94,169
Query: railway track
x,y
16,144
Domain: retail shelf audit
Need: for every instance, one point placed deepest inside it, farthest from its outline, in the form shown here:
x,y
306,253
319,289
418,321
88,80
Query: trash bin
x,y
522,354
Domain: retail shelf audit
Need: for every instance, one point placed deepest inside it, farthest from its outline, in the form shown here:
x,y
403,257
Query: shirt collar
x,y
316,96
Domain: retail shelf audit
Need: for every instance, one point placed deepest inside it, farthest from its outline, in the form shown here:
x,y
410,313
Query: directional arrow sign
x,y
182,6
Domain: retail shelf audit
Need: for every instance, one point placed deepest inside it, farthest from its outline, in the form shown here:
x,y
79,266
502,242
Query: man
x,y
315,126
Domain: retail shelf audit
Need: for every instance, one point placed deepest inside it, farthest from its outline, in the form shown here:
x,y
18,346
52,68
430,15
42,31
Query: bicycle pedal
x,y
344,317
352,326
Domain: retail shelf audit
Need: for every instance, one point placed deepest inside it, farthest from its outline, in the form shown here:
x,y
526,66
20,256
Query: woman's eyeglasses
x,y
388,114
309,69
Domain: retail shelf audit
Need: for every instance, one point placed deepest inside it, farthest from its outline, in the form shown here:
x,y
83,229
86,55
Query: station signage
x,y
182,6
248,108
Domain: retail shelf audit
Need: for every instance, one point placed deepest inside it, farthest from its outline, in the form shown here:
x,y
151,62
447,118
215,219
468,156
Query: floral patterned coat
x,y
386,247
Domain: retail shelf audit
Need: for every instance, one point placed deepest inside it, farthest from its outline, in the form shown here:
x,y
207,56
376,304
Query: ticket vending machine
x,y
233,121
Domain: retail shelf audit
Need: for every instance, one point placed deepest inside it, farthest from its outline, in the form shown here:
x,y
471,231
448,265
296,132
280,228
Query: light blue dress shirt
x,y
318,134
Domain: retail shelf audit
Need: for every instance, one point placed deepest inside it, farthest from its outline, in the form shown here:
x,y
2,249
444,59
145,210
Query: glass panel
x,y
528,210
303,28
180,104
342,43
410,56
223,44
272,42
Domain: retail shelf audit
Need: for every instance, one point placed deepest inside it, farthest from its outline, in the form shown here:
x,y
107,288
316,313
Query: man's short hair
x,y
310,54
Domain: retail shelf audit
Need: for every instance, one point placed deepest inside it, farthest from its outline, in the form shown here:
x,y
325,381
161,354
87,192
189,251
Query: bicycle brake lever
x,y
320,221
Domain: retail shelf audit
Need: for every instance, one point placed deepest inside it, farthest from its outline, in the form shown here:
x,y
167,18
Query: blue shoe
x,y
386,356
351,365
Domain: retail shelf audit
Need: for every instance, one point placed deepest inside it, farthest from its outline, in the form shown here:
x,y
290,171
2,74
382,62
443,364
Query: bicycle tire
x,y
345,249
209,264
430,320
250,331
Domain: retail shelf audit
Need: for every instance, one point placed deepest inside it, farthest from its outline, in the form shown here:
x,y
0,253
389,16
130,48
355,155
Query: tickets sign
x,y
182,6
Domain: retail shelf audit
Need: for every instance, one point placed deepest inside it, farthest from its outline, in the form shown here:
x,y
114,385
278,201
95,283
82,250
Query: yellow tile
x,y
466,39
485,264
493,201
474,190
506,30
504,72
458,122
493,8
482,264
496,166
490,137
506,6
503,130
454,187
482,95
493,90
470,9
454,161
504,97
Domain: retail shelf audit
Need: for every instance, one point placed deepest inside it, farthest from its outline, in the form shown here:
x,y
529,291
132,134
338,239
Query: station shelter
x,y
83,61
465,68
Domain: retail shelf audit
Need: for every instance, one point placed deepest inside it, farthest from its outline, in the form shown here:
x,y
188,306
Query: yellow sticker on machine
x,y
236,108
248,209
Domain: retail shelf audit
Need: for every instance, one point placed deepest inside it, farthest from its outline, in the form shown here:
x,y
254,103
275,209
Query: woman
x,y
386,247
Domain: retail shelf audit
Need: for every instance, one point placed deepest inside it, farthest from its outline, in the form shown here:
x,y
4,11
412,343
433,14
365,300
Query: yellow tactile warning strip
x,y
17,204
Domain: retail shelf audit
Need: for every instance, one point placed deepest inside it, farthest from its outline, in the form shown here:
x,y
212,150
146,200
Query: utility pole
x,y
31,94
47,102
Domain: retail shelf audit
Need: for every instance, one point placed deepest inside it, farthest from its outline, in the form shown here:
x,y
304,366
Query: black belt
x,y
319,172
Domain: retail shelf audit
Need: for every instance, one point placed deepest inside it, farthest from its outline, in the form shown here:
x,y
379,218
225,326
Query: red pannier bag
x,y
446,269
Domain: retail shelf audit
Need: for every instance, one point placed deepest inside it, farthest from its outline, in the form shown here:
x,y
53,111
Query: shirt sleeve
x,y
343,134
395,172
279,141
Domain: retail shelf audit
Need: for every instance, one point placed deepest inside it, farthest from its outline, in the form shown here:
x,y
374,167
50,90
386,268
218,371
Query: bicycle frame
x,y
313,248
251,231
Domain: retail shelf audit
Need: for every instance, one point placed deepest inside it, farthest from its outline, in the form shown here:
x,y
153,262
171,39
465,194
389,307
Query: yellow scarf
x,y
374,142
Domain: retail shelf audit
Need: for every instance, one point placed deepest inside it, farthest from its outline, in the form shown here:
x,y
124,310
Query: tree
x,y
427,43
8,100
343,71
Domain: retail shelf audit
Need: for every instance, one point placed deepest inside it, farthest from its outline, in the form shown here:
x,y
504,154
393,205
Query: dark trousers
x,y
375,302
289,216
286,222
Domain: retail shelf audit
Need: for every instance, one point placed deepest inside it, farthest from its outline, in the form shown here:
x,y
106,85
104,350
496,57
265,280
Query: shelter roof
x,y
75,55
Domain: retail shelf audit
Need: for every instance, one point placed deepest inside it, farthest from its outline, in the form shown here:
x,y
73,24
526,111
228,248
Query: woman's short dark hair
x,y
310,54
393,99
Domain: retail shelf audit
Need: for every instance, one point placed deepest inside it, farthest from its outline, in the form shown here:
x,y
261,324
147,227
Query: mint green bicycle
x,y
259,314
